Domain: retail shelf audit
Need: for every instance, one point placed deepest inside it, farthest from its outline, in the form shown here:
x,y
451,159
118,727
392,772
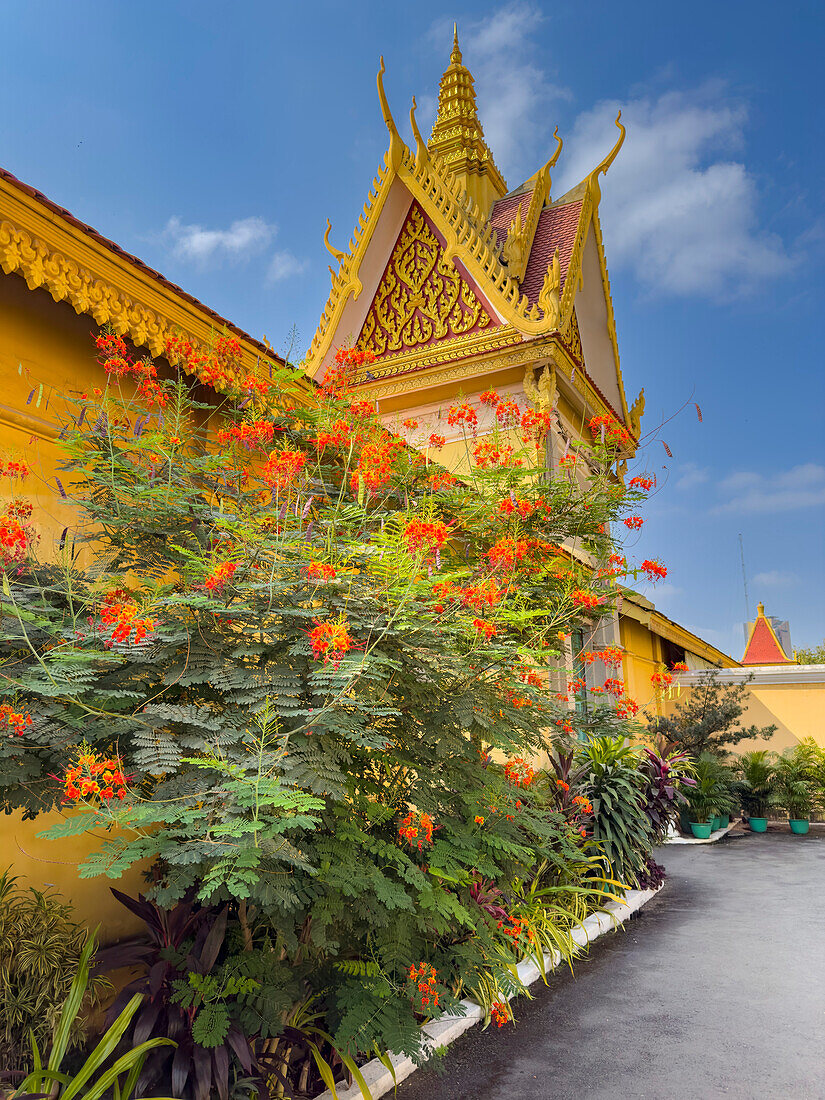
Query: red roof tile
x,y
112,247
556,229
763,647
504,210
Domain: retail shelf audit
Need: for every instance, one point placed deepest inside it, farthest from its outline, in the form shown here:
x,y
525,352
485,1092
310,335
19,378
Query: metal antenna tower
x,y
744,579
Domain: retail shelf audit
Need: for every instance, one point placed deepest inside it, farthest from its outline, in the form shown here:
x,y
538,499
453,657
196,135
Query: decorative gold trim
x,y
450,351
56,256
422,298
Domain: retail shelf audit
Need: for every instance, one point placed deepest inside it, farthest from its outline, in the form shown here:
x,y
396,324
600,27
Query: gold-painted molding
x,y
52,253
26,422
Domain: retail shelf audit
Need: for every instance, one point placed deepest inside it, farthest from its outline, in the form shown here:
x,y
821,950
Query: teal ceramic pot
x,y
701,829
758,824
799,825
716,824
724,821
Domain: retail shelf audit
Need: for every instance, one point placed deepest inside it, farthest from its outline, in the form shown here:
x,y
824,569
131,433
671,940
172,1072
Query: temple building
x,y
768,641
454,282
458,284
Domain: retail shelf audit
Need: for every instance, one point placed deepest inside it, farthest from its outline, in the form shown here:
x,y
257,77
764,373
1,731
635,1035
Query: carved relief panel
x,y
422,298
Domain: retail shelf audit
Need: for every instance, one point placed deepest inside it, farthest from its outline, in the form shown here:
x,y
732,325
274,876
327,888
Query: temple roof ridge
x,y
763,646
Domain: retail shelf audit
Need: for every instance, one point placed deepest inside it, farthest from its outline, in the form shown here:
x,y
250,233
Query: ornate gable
x,y
422,297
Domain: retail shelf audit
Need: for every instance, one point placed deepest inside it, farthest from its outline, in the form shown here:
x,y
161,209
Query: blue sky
x,y
214,139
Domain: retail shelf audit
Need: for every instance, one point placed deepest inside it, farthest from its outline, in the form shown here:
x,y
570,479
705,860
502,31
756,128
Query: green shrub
x,y
40,948
288,671
613,782
756,770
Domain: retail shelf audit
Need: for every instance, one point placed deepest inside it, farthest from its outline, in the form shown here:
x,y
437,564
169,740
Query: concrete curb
x,y
710,840
443,1032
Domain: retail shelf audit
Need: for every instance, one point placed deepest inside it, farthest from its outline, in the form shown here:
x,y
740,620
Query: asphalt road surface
x,y
715,989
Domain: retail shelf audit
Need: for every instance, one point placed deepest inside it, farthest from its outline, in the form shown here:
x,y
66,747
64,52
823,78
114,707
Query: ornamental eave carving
x,y
58,258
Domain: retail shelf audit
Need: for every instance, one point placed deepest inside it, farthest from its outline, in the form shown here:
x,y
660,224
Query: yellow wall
x,y
41,342
798,710
53,346
641,659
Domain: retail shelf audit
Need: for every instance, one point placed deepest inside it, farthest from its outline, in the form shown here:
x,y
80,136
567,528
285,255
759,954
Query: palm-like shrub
x,y
40,950
102,1074
793,787
756,769
613,783
664,781
713,792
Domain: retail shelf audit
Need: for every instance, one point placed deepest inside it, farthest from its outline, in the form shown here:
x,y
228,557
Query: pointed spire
x,y
458,139
455,56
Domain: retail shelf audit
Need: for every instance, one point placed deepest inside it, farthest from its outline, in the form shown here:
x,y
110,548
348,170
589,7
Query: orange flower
x,y
634,523
14,541
489,397
462,414
437,441
14,469
282,468
410,424
609,430
519,772
645,483
81,780
330,638
16,721
585,599
508,411
220,576
489,630
653,570
319,571
416,829
427,536
249,432
479,820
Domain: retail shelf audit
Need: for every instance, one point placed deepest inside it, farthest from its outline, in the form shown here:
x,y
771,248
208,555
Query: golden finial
x,y
396,151
334,252
559,143
422,153
608,160
455,56
760,610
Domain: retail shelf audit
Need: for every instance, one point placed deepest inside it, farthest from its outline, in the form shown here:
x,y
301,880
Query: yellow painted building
x,y
455,283
60,282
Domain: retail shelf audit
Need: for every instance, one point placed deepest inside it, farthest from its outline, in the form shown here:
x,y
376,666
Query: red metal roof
x,y
68,217
763,647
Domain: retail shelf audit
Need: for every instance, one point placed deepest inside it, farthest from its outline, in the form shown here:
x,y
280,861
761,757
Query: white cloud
x,y
195,243
513,92
691,475
774,578
283,265
799,487
681,210
663,594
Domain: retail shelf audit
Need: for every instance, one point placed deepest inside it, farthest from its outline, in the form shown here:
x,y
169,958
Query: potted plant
x,y
793,789
704,797
756,768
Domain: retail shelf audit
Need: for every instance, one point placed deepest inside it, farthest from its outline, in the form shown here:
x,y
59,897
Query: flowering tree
x,y
305,670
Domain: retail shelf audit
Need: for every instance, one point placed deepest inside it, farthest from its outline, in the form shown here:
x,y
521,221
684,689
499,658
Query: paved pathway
x,y
716,990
